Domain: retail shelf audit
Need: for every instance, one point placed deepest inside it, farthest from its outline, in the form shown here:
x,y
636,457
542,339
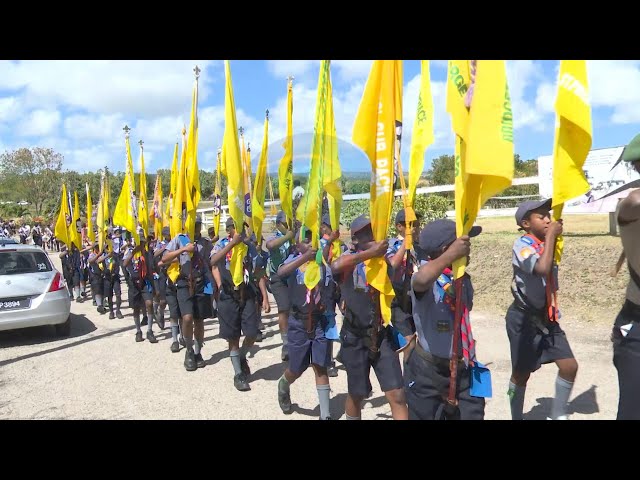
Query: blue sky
x,y
78,108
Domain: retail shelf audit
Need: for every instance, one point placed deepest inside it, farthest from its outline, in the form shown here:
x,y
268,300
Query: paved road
x,y
100,372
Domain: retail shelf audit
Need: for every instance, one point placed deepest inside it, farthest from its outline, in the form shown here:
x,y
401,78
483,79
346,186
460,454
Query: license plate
x,y
16,304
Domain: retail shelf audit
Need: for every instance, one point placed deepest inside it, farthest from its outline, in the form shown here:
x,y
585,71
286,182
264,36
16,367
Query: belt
x,y
438,361
357,331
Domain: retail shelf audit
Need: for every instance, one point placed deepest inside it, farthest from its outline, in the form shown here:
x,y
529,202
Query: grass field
x,y
587,290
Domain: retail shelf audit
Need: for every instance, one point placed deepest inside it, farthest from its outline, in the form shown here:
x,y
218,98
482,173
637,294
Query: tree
x,y
34,174
442,170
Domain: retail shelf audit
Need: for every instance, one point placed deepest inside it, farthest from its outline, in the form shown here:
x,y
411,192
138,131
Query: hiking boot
x,y
151,337
284,400
139,337
284,356
200,363
119,314
190,361
175,347
79,300
240,382
244,366
111,316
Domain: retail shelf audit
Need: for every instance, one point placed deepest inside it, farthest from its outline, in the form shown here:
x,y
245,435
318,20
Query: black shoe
x,y
284,400
200,363
214,314
175,347
145,321
139,337
339,356
101,310
259,337
240,382
160,321
332,371
151,337
244,366
190,361
79,300
119,314
284,355
111,316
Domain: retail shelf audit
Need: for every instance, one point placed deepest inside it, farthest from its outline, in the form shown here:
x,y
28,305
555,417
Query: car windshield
x,y
12,263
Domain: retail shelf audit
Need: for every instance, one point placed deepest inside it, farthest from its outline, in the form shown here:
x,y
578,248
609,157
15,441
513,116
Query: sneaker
x,y
240,382
332,371
259,337
175,347
145,321
244,366
151,337
101,310
111,316
119,314
190,361
284,356
84,294
139,337
200,363
284,400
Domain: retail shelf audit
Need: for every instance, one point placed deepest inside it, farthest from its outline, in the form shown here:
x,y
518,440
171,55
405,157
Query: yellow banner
x,y
259,190
143,209
61,230
90,233
374,132
125,213
285,171
573,138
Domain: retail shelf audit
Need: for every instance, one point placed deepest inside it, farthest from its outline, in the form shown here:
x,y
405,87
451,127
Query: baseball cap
x,y
528,206
359,223
401,216
229,222
281,217
440,233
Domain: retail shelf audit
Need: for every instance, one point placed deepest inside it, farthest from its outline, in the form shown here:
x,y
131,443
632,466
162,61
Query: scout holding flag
x,y
365,284
535,335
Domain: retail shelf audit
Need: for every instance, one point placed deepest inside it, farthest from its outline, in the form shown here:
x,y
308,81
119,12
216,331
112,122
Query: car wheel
x,y
64,329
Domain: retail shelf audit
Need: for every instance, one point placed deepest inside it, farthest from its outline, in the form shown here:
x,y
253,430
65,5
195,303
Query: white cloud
x,y
39,123
615,84
127,87
284,68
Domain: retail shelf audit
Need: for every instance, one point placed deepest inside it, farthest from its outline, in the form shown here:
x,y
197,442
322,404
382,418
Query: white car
x,y
32,291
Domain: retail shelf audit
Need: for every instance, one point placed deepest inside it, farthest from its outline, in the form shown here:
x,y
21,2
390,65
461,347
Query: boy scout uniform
x,y
427,372
534,339
365,343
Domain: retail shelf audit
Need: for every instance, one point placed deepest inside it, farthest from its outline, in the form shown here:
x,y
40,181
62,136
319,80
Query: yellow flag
x,y
61,230
572,139
90,233
374,132
192,171
484,144
75,228
172,189
246,179
100,218
180,197
259,190
422,135
233,164
155,215
285,171
332,173
125,214
217,198
143,208
312,201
